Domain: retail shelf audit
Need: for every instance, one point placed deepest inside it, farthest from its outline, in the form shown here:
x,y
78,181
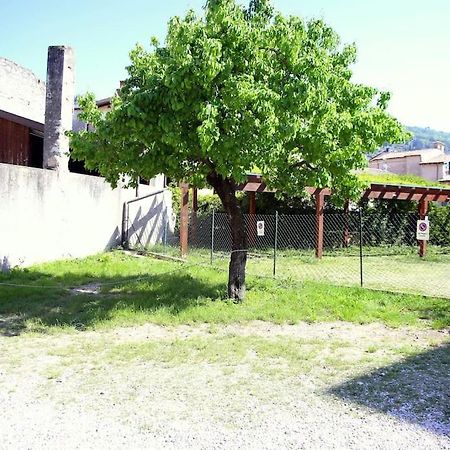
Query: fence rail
x,y
360,248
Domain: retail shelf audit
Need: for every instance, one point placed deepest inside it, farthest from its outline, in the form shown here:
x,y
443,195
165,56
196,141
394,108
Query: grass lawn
x,y
397,273
396,269
146,353
139,290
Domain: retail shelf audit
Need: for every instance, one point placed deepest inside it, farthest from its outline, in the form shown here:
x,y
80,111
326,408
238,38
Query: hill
x,y
424,137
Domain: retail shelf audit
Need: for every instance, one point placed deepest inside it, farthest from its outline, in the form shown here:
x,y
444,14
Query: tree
x,y
231,90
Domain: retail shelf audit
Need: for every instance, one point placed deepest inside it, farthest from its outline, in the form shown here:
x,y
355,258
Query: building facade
x,y
22,115
432,163
48,212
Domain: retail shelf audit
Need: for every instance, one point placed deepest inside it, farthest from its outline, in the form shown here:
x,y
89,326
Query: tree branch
x,y
303,164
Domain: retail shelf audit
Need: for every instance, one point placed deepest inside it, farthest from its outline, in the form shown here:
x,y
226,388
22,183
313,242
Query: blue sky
x,y
403,45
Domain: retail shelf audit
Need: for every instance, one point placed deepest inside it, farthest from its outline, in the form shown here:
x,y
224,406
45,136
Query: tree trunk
x,y
226,190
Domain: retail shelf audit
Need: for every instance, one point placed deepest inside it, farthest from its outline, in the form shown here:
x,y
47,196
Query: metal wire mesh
x,y
391,259
378,251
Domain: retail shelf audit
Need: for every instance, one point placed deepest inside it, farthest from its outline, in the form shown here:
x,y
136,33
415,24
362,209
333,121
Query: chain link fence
x,y
360,248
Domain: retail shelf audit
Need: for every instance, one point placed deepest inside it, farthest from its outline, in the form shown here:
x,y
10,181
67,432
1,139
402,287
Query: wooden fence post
x,y
346,233
184,218
423,211
320,201
252,219
194,214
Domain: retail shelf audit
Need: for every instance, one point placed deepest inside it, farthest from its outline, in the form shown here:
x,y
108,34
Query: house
x,y
49,208
104,105
431,163
22,115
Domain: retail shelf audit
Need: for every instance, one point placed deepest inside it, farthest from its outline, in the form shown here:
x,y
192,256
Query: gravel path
x,y
64,391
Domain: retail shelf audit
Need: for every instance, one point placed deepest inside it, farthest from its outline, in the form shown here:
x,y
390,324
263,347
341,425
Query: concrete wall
x,y
432,171
394,165
46,215
150,222
413,165
21,92
409,165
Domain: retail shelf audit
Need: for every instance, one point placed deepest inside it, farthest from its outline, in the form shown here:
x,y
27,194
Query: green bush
x,y
440,225
385,222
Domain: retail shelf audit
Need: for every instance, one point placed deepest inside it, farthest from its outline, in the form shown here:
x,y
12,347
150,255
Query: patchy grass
x,y
387,268
392,178
140,290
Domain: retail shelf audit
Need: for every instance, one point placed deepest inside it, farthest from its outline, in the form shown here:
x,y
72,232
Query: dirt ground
x,y
257,385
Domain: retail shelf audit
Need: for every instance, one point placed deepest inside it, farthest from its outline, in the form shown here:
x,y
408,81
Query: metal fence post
x,y
127,236
212,235
166,223
275,245
361,246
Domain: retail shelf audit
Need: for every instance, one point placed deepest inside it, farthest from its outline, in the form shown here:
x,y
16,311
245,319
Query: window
x,y
446,168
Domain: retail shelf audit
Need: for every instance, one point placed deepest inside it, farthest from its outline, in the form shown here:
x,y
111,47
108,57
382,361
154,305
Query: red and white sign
x,y
260,227
423,230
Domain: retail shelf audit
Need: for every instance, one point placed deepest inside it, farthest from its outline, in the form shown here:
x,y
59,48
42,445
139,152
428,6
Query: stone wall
x,y
21,92
47,215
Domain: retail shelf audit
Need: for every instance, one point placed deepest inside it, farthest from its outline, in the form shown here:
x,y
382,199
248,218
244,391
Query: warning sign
x,y
423,230
260,227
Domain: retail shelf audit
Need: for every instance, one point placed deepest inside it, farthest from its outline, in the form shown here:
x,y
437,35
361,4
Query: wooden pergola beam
x,y
252,218
401,192
252,202
314,191
255,183
422,194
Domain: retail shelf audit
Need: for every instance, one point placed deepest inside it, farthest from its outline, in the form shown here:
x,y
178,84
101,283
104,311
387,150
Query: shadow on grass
x,y
416,390
101,297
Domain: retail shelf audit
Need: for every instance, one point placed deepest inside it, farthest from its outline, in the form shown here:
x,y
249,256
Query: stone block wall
x,y
21,92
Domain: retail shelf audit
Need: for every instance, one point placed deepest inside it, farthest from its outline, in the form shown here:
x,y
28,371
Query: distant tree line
x,y
422,138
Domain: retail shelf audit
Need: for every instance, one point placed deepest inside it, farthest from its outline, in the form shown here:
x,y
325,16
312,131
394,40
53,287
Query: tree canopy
x,y
237,88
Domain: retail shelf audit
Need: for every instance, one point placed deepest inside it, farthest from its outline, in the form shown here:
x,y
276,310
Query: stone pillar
x,y
58,107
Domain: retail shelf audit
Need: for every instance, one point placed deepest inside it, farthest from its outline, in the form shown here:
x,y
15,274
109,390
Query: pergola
x,y
255,183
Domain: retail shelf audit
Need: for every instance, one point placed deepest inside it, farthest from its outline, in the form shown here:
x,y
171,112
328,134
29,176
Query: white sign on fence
x,y
423,230
260,227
